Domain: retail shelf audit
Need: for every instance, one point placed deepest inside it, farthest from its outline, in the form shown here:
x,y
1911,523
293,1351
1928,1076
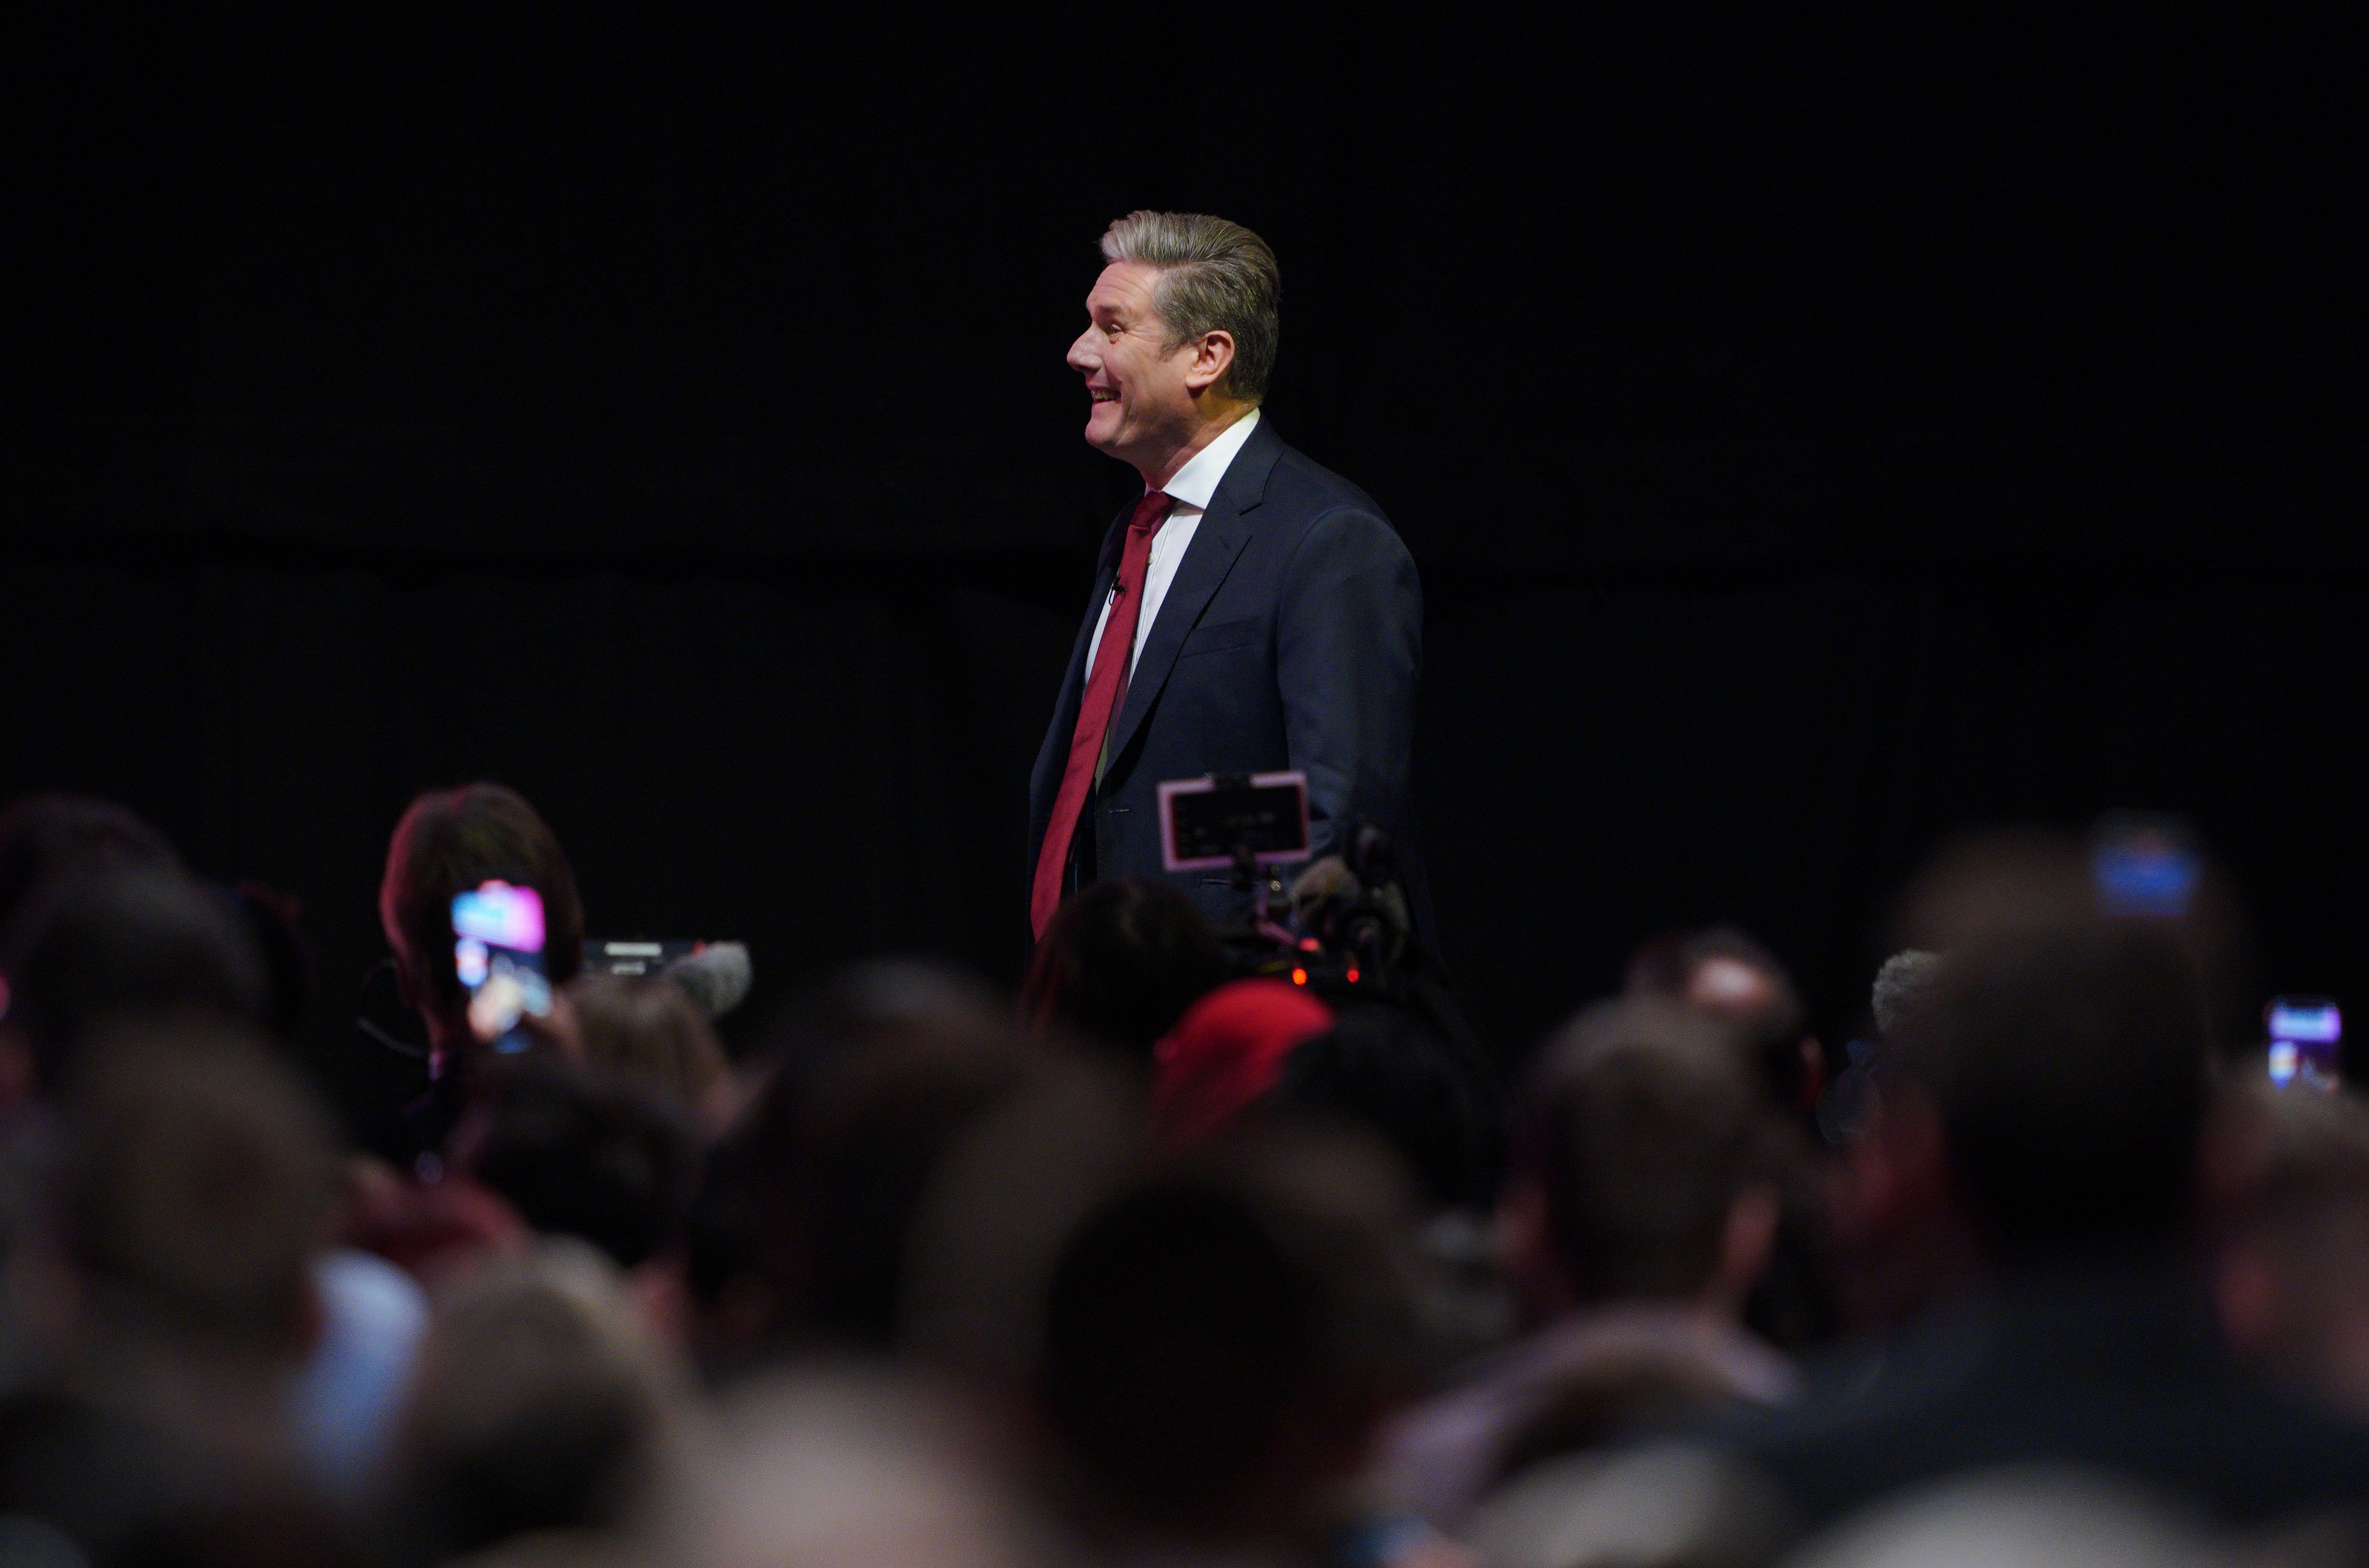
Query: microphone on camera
x,y
716,978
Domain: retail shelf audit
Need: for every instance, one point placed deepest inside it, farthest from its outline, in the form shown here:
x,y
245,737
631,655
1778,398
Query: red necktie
x,y
1103,684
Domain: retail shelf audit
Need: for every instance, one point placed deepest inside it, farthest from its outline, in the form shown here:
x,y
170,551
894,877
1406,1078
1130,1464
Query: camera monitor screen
x,y
497,950
1202,821
611,955
2306,1034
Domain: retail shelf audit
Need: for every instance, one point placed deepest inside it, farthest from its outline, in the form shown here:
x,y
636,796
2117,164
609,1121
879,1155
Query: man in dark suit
x,y
1251,612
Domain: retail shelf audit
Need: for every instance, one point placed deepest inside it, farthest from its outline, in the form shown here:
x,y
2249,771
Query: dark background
x,y
1815,435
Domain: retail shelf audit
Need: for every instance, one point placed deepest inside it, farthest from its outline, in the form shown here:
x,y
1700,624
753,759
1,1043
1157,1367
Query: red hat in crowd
x,y
1225,1053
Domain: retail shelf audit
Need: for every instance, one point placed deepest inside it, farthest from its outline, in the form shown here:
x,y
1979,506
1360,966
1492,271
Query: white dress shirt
x,y
1193,486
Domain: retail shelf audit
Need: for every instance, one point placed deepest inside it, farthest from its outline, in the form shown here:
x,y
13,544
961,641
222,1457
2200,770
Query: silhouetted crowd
x,y
1158,1266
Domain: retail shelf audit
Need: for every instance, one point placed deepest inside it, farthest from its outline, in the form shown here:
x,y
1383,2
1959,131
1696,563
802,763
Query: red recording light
x,y
1353,977
1300,976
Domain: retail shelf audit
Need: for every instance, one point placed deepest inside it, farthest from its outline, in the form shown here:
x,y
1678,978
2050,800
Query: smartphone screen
x,y
497,949
2307,1033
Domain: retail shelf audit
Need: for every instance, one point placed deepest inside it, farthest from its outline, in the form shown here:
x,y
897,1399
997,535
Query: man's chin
x,y
1101,434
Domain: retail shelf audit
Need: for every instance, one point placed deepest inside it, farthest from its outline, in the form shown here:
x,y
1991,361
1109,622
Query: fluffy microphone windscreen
x,y
717,977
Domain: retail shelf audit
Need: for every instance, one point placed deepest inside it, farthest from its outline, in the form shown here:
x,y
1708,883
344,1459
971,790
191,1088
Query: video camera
x,y
1341,928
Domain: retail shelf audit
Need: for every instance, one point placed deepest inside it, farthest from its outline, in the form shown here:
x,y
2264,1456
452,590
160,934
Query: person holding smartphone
x,y
450,845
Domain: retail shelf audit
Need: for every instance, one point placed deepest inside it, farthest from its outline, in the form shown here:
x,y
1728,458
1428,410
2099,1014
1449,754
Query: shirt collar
x,y
1197,480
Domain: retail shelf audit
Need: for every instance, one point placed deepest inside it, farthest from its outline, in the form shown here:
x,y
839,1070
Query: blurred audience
x,y
1000,1201
1669,1505
582,1155
427,1228
546,1421
2049,1099
1849,1102
1222,1344
452,842
1723,972
1898,1246
1382,1069
1637,1223
823,1469
372,1318
650,1030
801,1235
2291,1272
1224,1056
105,947
1161,1267
2037,1516
170,1293
1120,963
43,835
1384,1072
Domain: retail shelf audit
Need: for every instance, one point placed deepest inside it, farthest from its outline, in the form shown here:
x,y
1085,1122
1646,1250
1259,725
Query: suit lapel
x,y
1225,529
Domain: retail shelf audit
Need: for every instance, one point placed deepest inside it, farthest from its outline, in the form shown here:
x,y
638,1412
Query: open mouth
x,y
1101,396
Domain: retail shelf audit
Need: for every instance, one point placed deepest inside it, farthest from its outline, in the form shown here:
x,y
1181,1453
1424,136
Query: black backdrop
x,y
1816,434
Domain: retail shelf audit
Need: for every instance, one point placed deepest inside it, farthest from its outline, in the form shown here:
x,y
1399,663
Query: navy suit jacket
x,y
1290,637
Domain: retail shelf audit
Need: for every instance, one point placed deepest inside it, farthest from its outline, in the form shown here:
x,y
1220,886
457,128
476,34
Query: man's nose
x,y
1083,358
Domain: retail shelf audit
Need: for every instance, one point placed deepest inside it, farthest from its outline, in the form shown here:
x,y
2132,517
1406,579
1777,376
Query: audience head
x,y
2035,1514
1222,1340
1225,1054
580,1154
1381,1069
650,1032
1002,1198
1634,1162
1724,973
2291,1270
543,1403
878,1072
1120,963
827,1469
42,836
191,1196
103,949
450,842
1671,1504
2063,1054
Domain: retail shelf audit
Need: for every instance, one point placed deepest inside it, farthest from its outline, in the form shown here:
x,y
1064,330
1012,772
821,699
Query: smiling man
x,y
1251,611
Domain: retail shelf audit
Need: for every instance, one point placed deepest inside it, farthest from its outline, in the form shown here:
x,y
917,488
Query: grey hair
x,y
1215,276
1905,979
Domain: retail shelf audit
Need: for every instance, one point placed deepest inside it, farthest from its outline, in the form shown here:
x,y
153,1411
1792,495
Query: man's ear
x,y
1213,356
